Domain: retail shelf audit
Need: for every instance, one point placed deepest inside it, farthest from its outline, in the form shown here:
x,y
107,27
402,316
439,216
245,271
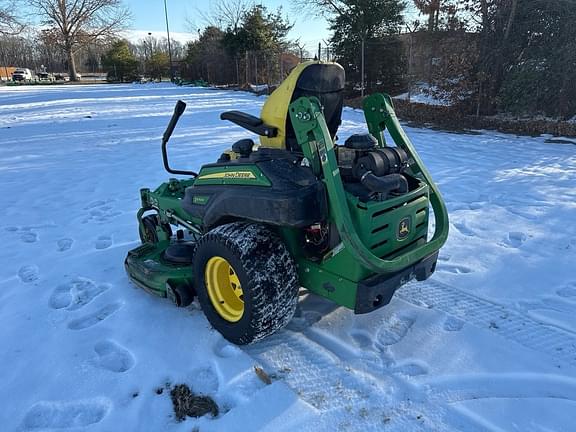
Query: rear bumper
x,y
377,291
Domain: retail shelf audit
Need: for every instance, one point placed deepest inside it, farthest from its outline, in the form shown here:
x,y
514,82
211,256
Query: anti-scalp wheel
x,y
147,229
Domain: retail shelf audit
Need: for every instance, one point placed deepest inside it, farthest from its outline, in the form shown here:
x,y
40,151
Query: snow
x,y
421,94
489,343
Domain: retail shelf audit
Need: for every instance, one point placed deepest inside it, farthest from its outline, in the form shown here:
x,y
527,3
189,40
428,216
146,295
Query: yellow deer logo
x,y
404,228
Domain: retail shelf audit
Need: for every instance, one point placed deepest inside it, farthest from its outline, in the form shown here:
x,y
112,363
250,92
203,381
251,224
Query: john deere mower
x,y
348,222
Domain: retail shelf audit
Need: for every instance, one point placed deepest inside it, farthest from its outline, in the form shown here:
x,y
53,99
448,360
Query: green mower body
x,y
350,221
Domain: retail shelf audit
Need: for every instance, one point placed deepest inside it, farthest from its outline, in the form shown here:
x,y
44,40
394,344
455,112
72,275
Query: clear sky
x,y
149,16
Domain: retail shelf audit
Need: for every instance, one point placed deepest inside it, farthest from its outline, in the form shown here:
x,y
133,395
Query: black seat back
x,y
326,82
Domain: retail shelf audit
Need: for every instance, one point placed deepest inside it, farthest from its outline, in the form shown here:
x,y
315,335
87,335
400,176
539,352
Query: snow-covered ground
x,y
489,343
421,94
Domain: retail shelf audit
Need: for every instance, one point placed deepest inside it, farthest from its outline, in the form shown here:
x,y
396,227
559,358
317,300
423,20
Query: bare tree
x,y
224,14
10,23
74,24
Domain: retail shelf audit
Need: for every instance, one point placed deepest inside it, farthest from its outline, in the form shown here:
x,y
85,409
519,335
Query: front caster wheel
x,y
147,229
246,281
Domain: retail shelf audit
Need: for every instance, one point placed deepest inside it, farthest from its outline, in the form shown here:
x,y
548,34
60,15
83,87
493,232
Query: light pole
x,y
169,46
147,57
362,68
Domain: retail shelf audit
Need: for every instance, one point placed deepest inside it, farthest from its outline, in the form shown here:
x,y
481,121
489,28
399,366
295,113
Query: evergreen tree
x,y
158,65
120,63
252,35
206,58
540,76
373,24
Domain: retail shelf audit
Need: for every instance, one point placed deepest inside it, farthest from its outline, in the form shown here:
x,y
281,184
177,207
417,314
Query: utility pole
x,y
169,46
319,51
362,68
327,50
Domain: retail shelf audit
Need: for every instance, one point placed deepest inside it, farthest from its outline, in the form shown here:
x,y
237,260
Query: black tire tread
x,y
272,277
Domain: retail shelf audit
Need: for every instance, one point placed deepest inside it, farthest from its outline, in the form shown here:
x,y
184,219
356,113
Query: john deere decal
x,y
404,228
229,174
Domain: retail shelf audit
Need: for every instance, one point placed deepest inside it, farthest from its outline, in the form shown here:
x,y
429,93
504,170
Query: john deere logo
x,y
228,175
404,228
239,175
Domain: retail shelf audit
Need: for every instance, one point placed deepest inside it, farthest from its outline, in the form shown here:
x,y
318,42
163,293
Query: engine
x,y
370,172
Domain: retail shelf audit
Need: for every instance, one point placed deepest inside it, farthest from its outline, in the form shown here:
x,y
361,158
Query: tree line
x,y
515,56
522,59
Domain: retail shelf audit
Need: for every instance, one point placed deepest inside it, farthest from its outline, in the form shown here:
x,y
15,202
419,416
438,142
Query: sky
x,y
149,17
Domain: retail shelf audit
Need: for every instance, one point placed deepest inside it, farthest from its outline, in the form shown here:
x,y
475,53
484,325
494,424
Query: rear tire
x,y
246,281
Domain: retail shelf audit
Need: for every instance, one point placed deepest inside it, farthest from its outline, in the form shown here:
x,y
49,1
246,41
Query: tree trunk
x,y
71,63
511,19
431,21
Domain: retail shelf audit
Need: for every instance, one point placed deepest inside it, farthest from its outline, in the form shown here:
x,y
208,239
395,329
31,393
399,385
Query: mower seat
x,y
324,81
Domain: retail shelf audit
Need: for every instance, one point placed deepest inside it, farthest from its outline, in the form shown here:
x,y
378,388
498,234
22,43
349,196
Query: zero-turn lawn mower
x,y
347,222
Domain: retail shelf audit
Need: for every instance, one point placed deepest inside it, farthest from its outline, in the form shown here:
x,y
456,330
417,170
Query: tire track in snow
x,y
463,387
343,386
484,314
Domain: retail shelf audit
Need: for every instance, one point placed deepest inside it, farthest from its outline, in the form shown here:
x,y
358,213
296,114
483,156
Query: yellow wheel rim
x,y
224,289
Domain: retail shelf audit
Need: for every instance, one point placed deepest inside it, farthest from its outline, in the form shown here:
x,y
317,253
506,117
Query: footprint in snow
x,y
64,244
61,415
411,369
453,324
28,273
567,291
29,237
76,294
514,239
100,212
26,233
94,318
113,357
103,242
395,332
362,338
